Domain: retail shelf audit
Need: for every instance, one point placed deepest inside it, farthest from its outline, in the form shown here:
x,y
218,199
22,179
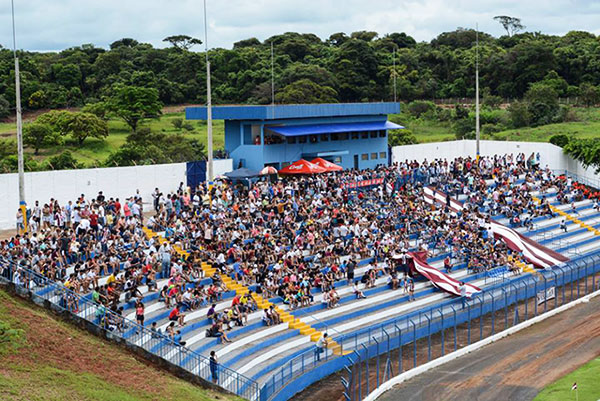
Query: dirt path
x,y
515,368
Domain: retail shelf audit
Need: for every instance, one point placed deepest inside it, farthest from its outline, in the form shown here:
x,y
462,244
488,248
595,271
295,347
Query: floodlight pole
x,y
477,90
209,139
20,161
394,71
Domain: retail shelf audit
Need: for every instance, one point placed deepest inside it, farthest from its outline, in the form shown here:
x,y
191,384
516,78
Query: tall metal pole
x,y
477,89
209,170
394,71
20,163
272,81
272,76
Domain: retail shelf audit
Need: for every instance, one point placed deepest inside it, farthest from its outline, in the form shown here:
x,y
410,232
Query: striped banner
x,y
536,254
441,280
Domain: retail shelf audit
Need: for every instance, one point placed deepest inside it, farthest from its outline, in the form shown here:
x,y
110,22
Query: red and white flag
x,y
441,280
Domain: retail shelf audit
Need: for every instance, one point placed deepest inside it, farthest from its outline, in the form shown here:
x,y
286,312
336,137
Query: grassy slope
x,y
95,151
587,381
52,360
588,126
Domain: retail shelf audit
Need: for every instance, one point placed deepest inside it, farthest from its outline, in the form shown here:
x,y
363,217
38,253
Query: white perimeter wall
x,y
551,155
116,182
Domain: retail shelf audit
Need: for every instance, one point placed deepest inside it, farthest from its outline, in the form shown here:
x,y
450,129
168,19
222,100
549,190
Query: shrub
x,y
559,140
420,107
177,122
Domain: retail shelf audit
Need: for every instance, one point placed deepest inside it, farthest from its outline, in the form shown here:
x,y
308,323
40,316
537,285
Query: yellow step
x,y
307,331
287,319
315,336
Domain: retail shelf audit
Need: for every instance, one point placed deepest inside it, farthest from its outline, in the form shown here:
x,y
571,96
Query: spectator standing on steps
x,y
214,367
321,346
463,293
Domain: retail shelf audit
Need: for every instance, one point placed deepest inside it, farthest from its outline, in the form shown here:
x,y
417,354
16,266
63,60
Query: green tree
x,y
182,42
82,125
134,104
63,161
38,135
511,24
542,103
397,137
589,94
306,91
519,114
587,151
98,109
4,107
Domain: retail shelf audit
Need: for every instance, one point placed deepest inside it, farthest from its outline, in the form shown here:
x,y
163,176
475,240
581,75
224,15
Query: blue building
x,y
351,135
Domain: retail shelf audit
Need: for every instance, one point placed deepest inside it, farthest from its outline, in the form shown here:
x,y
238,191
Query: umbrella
x,y
268,170
326,164
241,173
302,167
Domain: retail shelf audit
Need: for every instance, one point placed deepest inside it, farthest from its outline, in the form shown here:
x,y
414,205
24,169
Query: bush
x,y
464,128
559,140
187,126
177,122
492,101
519,114
4,107
64,161
420,107
399,137
489,129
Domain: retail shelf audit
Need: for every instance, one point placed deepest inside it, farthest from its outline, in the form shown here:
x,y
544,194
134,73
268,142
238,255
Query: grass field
x,y
95,151
47,360
588,384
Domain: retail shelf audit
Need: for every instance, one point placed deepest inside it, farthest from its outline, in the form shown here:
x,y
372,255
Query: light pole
x,y
20,163
209,162
477,91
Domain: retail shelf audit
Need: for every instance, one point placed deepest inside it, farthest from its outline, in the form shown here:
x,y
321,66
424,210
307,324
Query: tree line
x,y
343,68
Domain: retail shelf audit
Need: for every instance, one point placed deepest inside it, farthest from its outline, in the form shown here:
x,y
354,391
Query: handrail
x,y
116,324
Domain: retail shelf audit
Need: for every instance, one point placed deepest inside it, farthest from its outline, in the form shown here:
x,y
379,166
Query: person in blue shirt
x,y
177,339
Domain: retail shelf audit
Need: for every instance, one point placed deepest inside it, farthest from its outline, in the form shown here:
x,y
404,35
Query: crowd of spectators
x,y
286,237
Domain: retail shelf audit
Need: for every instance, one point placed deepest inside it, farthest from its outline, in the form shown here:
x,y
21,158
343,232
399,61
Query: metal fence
x,y
389,349
117,326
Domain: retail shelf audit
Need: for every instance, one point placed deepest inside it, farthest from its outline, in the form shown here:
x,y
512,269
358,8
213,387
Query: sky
x,y
49,25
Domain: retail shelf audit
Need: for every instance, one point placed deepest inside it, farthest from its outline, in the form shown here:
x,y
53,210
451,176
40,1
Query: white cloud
x,y
57,24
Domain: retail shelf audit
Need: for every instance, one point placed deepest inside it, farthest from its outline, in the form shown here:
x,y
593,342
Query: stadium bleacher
x,y
257,350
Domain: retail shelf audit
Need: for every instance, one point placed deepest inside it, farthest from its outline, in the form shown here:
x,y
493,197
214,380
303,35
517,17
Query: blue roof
x,y
308,129
292,111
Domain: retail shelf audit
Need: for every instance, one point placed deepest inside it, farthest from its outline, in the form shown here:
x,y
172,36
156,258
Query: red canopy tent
x,y
302,167
326,164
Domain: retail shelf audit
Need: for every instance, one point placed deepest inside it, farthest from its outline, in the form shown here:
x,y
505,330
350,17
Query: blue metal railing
x,y
116,325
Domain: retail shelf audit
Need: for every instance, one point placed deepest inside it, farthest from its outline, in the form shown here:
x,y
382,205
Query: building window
x,y
334,137
364,156
285,164
355,135
374,156
337,160
291,140
373,134
365,135
302,139
324,137
343,136
314,139
382,155
382,133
